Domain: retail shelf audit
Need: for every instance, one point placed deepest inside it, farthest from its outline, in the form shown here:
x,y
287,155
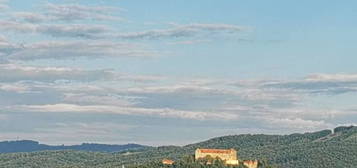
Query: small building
x,y
227,155
167,162
250,163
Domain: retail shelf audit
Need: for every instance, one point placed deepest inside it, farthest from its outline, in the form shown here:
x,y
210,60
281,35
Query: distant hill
x,y
33,146
322,149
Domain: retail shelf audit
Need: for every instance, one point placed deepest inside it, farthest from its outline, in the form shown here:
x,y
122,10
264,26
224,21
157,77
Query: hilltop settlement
x,y
227,156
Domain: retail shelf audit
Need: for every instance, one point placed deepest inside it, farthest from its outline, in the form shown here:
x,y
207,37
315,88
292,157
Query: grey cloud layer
x,y
50,23
264,105
72,50
17,26
190,100
79,12
3,39
3,5
105,32
320,84
178,31
83,31
17,73
95,49
55,13
56,30
70,13
214,106
170,113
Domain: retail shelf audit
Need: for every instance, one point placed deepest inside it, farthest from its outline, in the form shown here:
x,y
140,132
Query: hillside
x,y
322,149
32,146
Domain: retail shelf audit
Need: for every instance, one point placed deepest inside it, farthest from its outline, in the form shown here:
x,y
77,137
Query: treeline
x,y
322,149
190,162
33,146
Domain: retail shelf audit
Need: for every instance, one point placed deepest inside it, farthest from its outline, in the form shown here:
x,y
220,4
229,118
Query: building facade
x,y
250,163
227,155
167,162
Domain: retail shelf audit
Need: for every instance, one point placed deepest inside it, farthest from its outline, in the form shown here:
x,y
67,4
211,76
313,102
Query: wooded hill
x,y
33,146
322,149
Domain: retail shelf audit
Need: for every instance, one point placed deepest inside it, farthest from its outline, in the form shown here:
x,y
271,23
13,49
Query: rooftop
x,y
227,151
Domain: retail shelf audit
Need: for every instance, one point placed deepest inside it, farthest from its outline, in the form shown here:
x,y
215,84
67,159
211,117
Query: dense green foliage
x,y
311,150
190,162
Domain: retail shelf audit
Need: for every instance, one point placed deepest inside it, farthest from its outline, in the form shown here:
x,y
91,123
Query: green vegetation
x,y
190,162
311,150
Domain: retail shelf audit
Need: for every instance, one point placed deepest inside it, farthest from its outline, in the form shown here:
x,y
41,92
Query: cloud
x,y
74,12
3,39
180,88
50,23
165,113
77,30
105,32
190,42
7,48
15,73
179,31
319,84
200,100
14,87
10,73
73,133
3,5
3,117
8,25
30,17
181,96
296,124
57,30
119,93
80,93
332,77
73,50
69,13
100,99
210,96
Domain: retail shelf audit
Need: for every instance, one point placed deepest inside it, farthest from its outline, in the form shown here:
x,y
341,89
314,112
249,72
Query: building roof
x,y
167,161
226,151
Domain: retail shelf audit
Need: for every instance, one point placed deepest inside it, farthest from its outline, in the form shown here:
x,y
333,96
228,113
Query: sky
x,y
174,72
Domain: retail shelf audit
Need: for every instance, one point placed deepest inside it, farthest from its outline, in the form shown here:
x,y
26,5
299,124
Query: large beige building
x,y
228,155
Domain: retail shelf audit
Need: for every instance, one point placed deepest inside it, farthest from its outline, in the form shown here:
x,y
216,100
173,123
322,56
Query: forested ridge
x,y
323,149
33,146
